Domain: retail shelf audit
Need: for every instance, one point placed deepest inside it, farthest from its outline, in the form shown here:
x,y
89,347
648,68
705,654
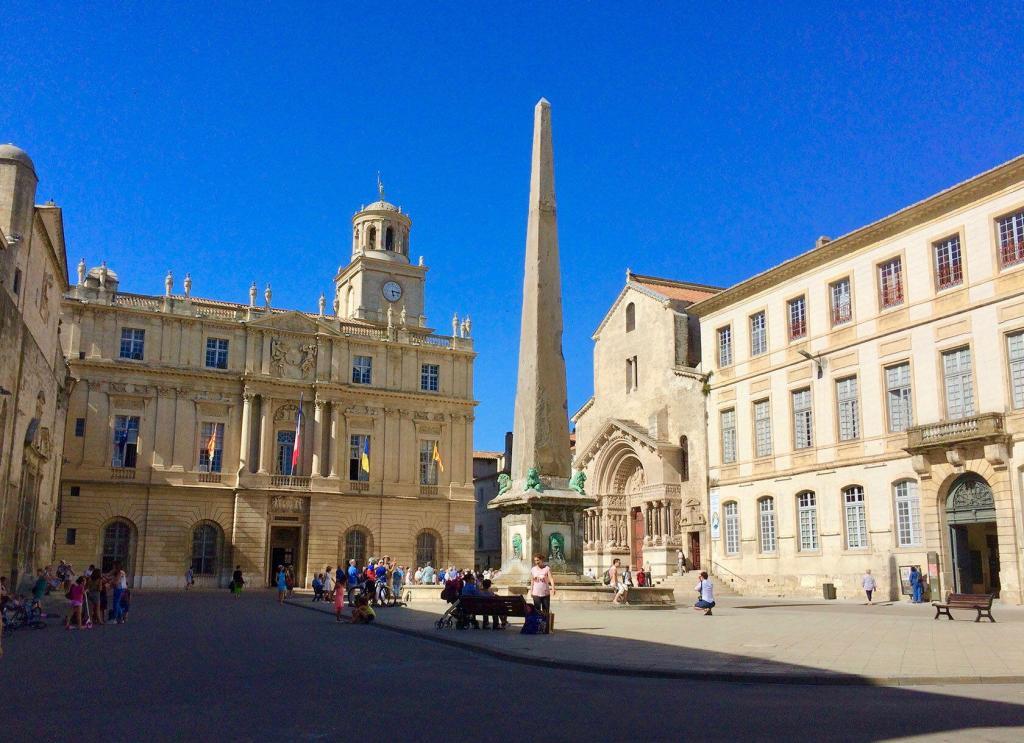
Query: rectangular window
x,y
133,343
207,431
1015,353
956,368
725,346
357,445
897,397
758,334
728,436
217,353
766,508
890,283
908,514
428,466
807,516
76,491
948,266
762,429
848,405
285,446
732,529
362,370
1011,238
126,441
70,536
803,422
79,427
856,518
429,375
841,301
797,312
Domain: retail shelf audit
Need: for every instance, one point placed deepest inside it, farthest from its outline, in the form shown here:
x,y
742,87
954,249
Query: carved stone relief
x,y
293,359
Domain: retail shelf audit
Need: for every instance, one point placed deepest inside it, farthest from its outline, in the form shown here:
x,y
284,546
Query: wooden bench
x,y
489,606
980,602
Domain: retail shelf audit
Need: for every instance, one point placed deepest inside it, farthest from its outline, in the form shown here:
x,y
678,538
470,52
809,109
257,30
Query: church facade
x,y
640,438
211,434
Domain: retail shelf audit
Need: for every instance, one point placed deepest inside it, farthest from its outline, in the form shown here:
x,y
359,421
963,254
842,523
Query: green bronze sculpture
x,y
556,547
577,482
533,480
504,483
517,547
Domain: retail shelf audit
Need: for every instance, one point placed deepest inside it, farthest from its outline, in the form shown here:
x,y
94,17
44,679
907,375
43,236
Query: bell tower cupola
x,y
381,230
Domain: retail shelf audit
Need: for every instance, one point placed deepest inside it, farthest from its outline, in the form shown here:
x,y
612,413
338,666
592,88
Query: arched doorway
x,y
973,540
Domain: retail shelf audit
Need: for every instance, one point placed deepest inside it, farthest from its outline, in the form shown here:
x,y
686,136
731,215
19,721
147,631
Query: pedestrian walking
x,y
869,584
237,581
328,582
93,586
617,583
190,578
706,595
916,585
120,580
542,585
76,595
680,562
281,579
339,599
289,579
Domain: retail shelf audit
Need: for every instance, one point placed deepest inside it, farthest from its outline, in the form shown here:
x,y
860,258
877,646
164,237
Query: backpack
x,y
607,577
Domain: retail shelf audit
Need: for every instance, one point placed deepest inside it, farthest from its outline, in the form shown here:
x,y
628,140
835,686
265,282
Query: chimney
x,y
823,240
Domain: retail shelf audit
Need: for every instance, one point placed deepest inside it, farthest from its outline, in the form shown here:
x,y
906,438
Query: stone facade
x,y
640,438
33,374
487,467
166,381
866,404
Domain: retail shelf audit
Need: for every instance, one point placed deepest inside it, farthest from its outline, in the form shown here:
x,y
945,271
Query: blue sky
x,y
234,141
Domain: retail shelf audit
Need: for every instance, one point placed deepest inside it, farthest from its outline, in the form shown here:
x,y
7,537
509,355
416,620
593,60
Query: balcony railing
x,y
428,489
122,473
289,481
979,428
358,486
209,477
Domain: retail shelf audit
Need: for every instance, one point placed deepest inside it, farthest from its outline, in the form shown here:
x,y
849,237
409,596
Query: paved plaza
x,y
201,665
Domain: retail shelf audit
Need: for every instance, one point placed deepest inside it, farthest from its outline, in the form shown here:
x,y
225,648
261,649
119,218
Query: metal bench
x,y
980,602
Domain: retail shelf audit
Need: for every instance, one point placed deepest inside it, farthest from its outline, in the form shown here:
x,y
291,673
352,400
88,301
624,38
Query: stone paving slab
x,y
749,640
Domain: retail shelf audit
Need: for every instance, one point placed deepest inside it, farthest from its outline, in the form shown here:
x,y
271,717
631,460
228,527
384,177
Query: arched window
x,y
856,518
684,459
426,548
389,239
630,317
356,546
908,513
766,511
807,519
732,528
117,543
371,238
206,542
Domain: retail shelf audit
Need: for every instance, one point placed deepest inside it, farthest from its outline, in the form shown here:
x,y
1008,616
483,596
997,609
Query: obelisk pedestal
x,y
541,512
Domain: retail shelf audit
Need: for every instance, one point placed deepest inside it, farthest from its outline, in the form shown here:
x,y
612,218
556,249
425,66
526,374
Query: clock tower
x,y
380,274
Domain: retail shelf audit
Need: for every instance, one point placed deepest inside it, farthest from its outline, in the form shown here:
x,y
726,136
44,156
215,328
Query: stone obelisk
x,y
541,507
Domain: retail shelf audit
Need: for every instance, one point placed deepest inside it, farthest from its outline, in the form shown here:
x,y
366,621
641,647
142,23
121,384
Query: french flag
x,y
297,446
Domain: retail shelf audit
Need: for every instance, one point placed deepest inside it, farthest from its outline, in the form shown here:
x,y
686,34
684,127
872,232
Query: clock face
x,y
392,291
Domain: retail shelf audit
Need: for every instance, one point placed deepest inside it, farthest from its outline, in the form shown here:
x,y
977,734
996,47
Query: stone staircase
x,y
683,585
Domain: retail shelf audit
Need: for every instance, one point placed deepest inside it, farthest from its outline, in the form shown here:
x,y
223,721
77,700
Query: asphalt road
x,y
203,666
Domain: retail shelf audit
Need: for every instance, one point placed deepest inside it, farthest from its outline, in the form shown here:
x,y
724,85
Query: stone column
x,y
332,444
318,437
265,366
266,432
245,440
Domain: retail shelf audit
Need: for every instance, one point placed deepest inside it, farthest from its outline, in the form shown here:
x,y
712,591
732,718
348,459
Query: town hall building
x,y
182,426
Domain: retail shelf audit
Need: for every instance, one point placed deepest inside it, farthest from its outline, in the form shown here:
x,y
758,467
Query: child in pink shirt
x,y
76,594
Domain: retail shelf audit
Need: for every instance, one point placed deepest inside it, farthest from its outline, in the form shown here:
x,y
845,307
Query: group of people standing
x,y
88,596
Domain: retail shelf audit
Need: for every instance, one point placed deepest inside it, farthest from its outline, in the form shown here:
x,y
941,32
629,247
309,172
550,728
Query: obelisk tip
x,y
543,103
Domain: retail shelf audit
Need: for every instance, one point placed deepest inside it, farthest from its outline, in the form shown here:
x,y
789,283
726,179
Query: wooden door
x,y
639,532
694,550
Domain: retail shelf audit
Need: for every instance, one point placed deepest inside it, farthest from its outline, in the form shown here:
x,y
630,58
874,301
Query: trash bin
x,y
829,590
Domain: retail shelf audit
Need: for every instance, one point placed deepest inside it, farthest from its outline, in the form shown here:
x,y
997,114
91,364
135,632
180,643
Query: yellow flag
x,y
437,458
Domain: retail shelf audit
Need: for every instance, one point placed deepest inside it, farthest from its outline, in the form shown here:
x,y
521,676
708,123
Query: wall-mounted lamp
x,y
818,361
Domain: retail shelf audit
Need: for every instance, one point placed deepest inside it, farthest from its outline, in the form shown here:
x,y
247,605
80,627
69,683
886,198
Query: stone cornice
x,y
980,186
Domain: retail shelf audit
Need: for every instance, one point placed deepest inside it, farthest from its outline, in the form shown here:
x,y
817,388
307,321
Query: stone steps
x,y
683,585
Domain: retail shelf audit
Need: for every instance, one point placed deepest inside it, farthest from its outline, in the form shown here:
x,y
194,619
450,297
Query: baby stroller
x,y
453,615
